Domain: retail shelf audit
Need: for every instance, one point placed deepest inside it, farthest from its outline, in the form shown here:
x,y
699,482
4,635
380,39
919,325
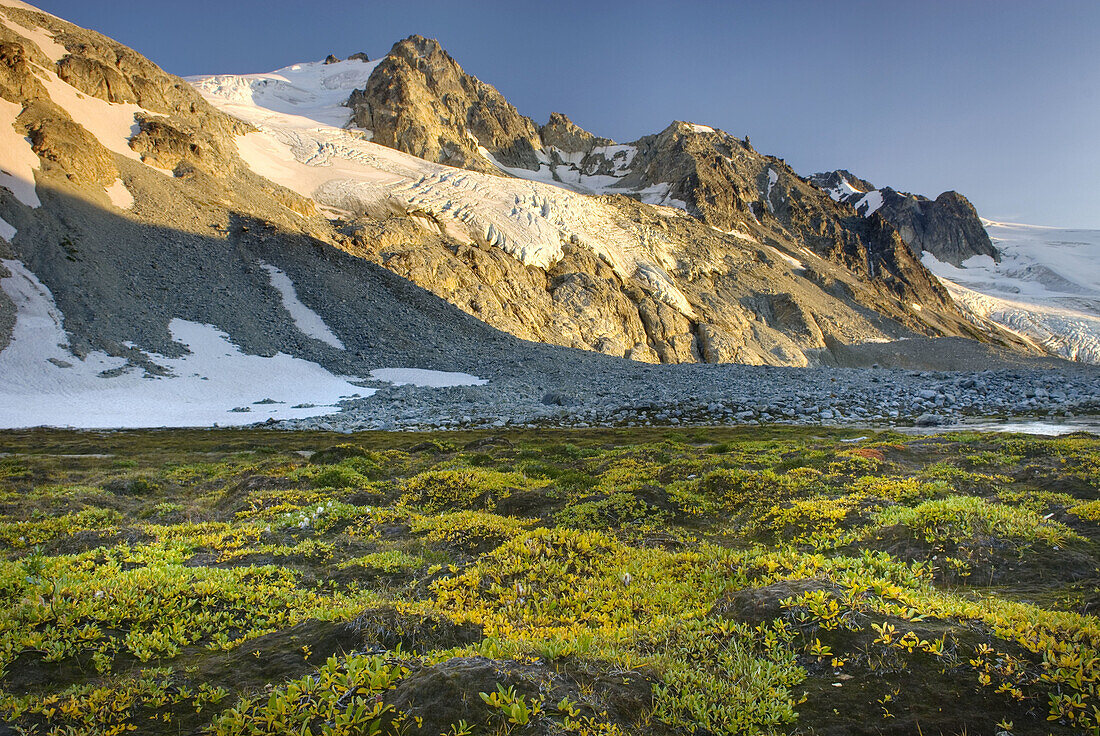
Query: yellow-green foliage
x,y
562,581
321,701
613,511
462,488
467,530
21,534
109,708
1088,510
898,489
144,602
624,550
951,520
726,679
819,520
390,561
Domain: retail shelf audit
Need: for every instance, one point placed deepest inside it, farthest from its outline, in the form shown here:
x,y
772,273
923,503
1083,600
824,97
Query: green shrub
x,y
946,522
461,488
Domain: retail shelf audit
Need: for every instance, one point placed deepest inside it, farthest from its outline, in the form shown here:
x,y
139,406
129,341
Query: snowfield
x,y
1046,286
302,144
42,383
305,319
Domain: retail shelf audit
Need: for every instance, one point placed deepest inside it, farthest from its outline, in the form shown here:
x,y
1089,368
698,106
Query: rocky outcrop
x,y
66,146
562,133
948,227
419,100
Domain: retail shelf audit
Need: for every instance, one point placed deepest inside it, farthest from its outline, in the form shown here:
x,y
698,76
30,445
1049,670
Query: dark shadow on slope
x,y
117,280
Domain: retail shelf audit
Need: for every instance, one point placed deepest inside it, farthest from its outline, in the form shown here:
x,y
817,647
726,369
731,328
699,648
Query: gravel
x,y
631,394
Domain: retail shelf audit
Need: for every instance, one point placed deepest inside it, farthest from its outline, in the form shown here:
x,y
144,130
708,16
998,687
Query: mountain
x,y
163,258
1039,282
150,276
948,226
683,246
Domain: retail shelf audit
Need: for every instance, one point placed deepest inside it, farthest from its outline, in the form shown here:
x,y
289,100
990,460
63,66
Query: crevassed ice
x,y
298,146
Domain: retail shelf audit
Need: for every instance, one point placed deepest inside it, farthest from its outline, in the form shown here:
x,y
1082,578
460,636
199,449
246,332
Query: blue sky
x,y
999,100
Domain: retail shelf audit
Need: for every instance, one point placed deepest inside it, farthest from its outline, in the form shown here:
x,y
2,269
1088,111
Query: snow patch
x,y
7,231
659,194
773,178
740,234
790,260
843,190
120,196
701,128
425,378
42,383
305,319
869,203
18,161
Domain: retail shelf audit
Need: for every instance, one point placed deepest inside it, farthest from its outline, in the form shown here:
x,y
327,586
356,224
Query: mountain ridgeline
x,y
758,212
948,226
131,199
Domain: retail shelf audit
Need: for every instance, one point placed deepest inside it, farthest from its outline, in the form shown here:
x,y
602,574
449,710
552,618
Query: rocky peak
x,y
948,227
841,184
419,100
563,134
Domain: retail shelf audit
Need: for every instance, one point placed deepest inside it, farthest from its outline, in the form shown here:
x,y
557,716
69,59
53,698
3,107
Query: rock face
x,y
419,100
948,227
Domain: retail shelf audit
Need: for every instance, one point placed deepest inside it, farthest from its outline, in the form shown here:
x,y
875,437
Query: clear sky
x,y
998,99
